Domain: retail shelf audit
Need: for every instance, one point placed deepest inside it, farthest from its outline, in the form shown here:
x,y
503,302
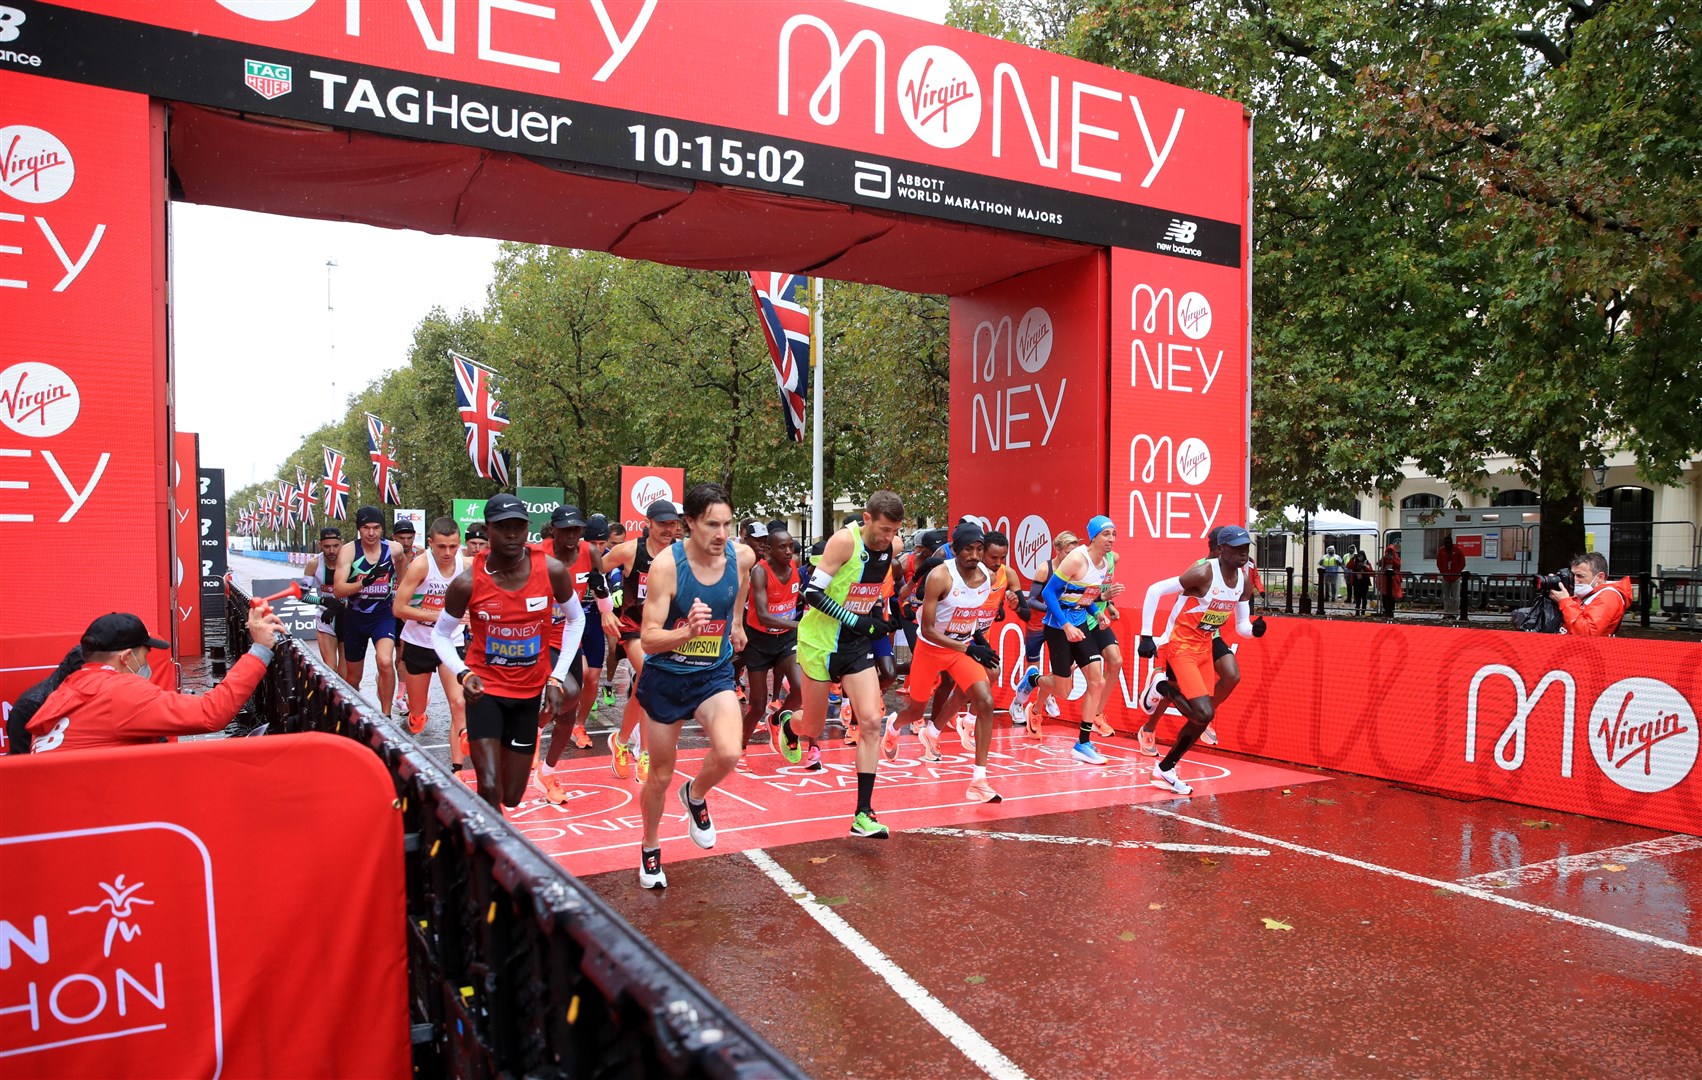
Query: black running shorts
x,y
1068,655
513,721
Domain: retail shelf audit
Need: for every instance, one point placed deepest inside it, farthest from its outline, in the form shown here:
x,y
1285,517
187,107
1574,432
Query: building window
x,y
1516,497
1424,500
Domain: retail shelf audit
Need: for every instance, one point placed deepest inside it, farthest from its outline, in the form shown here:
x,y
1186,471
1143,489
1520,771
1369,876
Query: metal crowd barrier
x,y
514,968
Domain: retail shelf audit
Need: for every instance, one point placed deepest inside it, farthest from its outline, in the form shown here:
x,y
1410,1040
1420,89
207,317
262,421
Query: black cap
x,y
117,632
662,510
403,525
966,533
330,532
369,515
853,519
778,525
567,517
505,507
597,527
933,538
476,531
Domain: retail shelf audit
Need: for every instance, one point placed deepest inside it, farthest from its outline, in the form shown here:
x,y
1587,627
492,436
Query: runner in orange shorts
x,y
1210,592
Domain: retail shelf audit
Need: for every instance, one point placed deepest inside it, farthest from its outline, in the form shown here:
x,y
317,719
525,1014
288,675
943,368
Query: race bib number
x,y
513,652
1213,618
1082,599
641,586
782,609
706,645
863,596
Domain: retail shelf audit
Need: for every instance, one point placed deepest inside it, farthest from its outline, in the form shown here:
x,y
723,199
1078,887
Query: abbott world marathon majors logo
x,y
35,167
38,400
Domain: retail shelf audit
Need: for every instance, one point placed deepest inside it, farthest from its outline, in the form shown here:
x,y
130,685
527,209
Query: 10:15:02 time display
x,y
664,146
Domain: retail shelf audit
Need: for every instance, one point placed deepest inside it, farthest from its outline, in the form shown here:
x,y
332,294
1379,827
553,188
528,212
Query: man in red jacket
x,y
1595,605
110,702
1451,561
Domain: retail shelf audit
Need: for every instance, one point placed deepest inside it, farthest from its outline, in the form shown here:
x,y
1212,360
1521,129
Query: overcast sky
x,y
262,359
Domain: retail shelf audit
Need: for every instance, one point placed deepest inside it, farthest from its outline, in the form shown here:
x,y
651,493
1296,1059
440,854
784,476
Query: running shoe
x,y
864,824
1024,687
812,759
1209,735
416,724
980,791
889,737
465,748
851,733
401,705
698,826
1163,779
650,875
1087,753
1052,707
1031,720
965,725
580,738
620,758
551,787
1151,698
1146,741
845,713
784,743
642,773
930,739
742,765
1102,728
608,695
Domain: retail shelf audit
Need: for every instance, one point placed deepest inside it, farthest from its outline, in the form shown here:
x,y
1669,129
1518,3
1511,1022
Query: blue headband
x,y
1098,525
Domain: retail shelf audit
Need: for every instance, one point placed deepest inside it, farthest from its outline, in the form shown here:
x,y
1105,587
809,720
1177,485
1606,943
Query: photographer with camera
x,y
1595,605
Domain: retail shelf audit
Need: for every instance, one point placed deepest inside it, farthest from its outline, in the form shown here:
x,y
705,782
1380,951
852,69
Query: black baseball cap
x,y
403,525
778,525
330,532
662,510
933,538
505,507
476,531
597,527
119,631
369,515
567,517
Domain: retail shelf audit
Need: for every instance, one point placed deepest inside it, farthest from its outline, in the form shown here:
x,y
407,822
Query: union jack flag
x,y
781,301
336,486
286,498
482,416
269,509
382,451
305,496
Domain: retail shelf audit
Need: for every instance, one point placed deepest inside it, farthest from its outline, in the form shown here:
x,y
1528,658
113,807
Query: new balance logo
x,y
1180,231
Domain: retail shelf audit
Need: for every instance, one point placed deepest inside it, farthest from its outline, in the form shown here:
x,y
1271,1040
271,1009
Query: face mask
x,y
1582,588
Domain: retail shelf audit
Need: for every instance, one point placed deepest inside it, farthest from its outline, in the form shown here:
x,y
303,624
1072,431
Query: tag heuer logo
x,y
268,80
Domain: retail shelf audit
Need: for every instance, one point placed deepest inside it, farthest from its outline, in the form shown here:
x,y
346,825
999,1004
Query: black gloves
x,y
982,654
1259,626
1148,648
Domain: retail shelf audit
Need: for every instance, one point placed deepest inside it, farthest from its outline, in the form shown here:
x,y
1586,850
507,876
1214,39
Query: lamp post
x,y
1600,472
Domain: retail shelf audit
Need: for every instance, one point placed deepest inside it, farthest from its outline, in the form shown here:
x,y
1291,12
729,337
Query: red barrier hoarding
x,y
83,456
1605,727
642,485
186,543
184,930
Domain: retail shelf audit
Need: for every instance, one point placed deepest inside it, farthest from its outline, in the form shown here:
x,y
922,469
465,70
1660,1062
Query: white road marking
x,y
1437,883
1094,841
974,1045
1520,876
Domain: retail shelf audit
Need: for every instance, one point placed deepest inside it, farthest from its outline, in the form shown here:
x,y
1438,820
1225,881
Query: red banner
x,y
1600,726
642,485
185,929
186,544
82,368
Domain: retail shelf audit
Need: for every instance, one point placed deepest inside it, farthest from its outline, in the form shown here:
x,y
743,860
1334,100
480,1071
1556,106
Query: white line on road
x,y
1094,841
974,1045
1438,883
1520,876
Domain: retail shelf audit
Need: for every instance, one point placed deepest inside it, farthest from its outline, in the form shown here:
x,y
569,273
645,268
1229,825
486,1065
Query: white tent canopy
x,y
1328,522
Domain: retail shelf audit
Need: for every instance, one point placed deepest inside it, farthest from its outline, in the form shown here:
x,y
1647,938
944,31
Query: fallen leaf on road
x,y
819,859
1540,824
831,901
1127,935
1155,907
1321,802
1208,861
975,980
1272,924
1612,868
1286,791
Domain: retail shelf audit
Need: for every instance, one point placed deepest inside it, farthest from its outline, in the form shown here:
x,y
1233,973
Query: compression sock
x,y
1185,740
865,792
1086,732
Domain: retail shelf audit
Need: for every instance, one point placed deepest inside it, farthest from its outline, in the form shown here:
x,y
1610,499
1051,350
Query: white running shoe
x,y
1170,780
981,792
1088,754
1146,741
965,724
650,875
698,826
1209,735
1151,699
930,739
1052,707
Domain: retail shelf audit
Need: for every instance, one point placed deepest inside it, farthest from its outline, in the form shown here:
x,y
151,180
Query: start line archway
x,y
1091,227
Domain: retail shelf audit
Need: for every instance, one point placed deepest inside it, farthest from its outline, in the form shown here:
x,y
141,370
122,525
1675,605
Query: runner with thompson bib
x,y
418,603
506,597
632,560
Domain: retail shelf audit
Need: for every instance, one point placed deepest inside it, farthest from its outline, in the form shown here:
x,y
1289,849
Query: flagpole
x,y
817,361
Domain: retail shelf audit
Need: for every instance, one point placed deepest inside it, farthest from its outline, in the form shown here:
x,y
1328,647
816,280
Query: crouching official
x,y
110,702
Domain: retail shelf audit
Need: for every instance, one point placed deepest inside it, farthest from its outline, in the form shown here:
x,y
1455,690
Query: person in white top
x,y
955,601
418,603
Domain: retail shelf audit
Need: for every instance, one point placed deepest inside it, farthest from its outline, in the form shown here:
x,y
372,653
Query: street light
x,y
1601,474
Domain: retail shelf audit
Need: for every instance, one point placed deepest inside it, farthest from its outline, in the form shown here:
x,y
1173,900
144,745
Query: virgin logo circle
x,y
38,400
649,489
1193,315
35,167
1193,461
267,10
1034,339
1643,734
1031,545
939,97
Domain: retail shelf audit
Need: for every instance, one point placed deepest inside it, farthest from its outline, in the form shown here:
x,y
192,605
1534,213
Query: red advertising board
x,y
179,931
1471,546
1600,726
186,543
83,481
642,485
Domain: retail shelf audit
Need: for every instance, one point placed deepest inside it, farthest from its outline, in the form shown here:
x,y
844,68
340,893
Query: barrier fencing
x,y
514,968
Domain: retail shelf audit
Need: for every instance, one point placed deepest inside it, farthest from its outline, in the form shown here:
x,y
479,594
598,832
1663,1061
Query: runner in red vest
x,y
506,598
632,558
567,544
771,634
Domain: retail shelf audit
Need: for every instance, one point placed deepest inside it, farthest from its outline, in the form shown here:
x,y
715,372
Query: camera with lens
x,y
1560,579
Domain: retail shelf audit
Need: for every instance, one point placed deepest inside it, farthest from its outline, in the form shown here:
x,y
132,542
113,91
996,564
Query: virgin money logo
x,y
939,97
649,489
1193,461
38,400
1193,315
1643,735
1033,343
1031,545
35,167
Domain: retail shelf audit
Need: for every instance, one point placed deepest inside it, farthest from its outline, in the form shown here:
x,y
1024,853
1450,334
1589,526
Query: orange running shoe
x,y
551,787
416,722
643,771
466,749
619,756
580,738
981,792
851,733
